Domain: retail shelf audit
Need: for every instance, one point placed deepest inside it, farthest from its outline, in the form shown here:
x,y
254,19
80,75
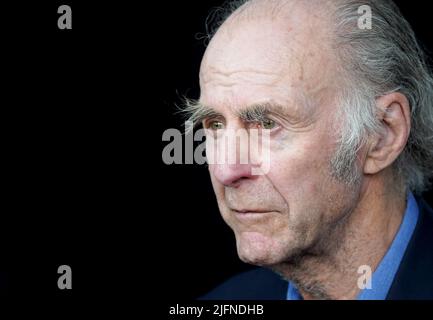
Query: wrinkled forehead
x,y
254,58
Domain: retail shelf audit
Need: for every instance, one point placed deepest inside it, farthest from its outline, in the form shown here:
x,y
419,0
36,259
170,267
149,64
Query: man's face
x,y
287,210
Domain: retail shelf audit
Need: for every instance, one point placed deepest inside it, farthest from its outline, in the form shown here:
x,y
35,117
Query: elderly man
x,y
349,112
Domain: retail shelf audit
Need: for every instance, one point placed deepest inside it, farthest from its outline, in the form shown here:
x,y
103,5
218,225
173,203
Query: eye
x,y
215,125
268,124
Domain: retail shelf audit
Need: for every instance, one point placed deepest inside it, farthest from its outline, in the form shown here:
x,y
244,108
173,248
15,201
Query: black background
x,y
83,112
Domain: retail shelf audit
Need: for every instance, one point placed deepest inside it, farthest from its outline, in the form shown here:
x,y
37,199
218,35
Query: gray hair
x,y
385,59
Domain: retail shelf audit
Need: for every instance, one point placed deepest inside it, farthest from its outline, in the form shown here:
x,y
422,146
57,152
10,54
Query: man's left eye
x,y
268,124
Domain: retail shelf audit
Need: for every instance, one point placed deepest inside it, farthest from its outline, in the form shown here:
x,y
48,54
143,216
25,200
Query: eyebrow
x,y
254,113
198,112
259,112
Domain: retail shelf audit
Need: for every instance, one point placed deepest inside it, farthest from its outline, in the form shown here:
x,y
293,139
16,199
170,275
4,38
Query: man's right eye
x,y
215,125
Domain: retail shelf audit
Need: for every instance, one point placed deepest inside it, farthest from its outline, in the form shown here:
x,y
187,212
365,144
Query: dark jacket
x,y
414,278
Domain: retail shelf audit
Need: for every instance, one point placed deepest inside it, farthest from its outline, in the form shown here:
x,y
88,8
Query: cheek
x,y
301,170
301,174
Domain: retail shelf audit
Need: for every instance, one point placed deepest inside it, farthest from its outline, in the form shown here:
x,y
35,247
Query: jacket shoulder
x,y
256,284
414,279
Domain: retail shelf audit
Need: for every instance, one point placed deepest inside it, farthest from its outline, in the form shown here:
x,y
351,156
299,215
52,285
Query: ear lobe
x,y
394,112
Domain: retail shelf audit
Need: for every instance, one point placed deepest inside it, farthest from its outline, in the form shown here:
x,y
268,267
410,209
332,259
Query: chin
x,y
257,249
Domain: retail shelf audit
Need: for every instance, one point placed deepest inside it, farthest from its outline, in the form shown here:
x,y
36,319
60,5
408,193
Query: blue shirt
x,y
384,274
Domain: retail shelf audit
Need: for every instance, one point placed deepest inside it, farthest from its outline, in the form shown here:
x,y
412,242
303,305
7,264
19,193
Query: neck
x,y
362,238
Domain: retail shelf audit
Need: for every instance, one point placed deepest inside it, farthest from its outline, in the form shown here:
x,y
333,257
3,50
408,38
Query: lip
x,y
247,211
248,215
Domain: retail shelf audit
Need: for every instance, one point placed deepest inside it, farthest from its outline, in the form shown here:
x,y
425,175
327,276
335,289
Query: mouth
x,y
248,211
248,214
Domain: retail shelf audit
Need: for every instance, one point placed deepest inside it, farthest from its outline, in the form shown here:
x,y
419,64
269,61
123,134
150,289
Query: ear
x,y
394,111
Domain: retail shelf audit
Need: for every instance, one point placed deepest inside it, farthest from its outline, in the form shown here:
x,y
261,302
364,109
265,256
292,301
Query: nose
x,y
231,175
232,158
